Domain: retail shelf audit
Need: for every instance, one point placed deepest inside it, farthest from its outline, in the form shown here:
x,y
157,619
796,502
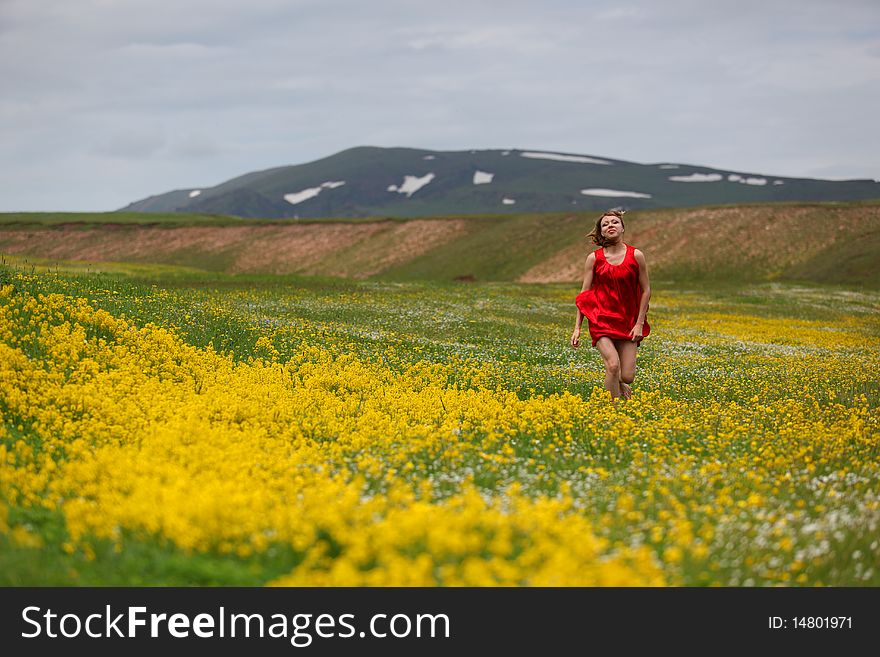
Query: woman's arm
x,y
588,281
645,284
589,263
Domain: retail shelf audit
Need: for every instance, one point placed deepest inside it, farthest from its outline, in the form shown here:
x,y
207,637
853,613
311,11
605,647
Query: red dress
x,y
611,305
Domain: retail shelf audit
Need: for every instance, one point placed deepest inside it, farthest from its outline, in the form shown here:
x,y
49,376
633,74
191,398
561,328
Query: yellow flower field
x,y
308,451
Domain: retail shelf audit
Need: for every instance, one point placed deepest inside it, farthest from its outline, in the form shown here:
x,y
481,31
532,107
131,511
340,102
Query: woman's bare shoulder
x,y
639,256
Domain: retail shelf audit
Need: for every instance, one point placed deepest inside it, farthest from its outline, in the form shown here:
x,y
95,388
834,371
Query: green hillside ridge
x,y
818,243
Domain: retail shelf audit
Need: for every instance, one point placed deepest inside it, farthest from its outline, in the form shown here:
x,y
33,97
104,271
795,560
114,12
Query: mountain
x,y
406,182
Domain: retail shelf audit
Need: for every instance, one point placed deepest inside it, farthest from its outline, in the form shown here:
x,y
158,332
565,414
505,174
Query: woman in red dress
x,y
614,299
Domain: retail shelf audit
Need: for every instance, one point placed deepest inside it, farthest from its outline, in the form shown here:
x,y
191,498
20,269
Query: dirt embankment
x,y
343,249
825,243
762,241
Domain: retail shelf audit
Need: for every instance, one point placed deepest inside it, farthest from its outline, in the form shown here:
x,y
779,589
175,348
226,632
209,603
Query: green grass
x,y
126,218
144,562
22,219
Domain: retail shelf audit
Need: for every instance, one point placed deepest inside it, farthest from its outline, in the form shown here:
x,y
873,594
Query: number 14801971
x,y
810,623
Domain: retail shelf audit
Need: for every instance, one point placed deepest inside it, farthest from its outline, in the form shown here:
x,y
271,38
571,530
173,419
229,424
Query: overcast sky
x,y
104,102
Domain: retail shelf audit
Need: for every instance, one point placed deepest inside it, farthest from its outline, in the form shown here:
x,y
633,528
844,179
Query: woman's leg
x,y
612,366
626,352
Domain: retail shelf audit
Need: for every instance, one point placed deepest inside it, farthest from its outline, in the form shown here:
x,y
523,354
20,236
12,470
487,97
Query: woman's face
x,y
611,227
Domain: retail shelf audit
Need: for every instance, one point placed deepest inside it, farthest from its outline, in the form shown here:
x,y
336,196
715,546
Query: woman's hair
x,y
596,233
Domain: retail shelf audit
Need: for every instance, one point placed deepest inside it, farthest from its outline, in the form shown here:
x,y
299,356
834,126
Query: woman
x,y
614,299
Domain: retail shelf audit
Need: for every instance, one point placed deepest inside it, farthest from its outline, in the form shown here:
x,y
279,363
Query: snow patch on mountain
x,y
482,177
613,193
508,201
698,177
304,195
411,184
195,193
563,158
734,177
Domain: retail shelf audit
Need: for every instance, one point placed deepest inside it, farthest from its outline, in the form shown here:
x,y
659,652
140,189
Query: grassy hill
x,y
816,243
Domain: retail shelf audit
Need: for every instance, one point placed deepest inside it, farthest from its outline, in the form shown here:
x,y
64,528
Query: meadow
x,y
164,426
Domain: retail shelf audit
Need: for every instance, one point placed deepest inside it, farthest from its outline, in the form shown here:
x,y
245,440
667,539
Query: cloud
x,y
520,38
195,146
132,144
175,51
190,94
